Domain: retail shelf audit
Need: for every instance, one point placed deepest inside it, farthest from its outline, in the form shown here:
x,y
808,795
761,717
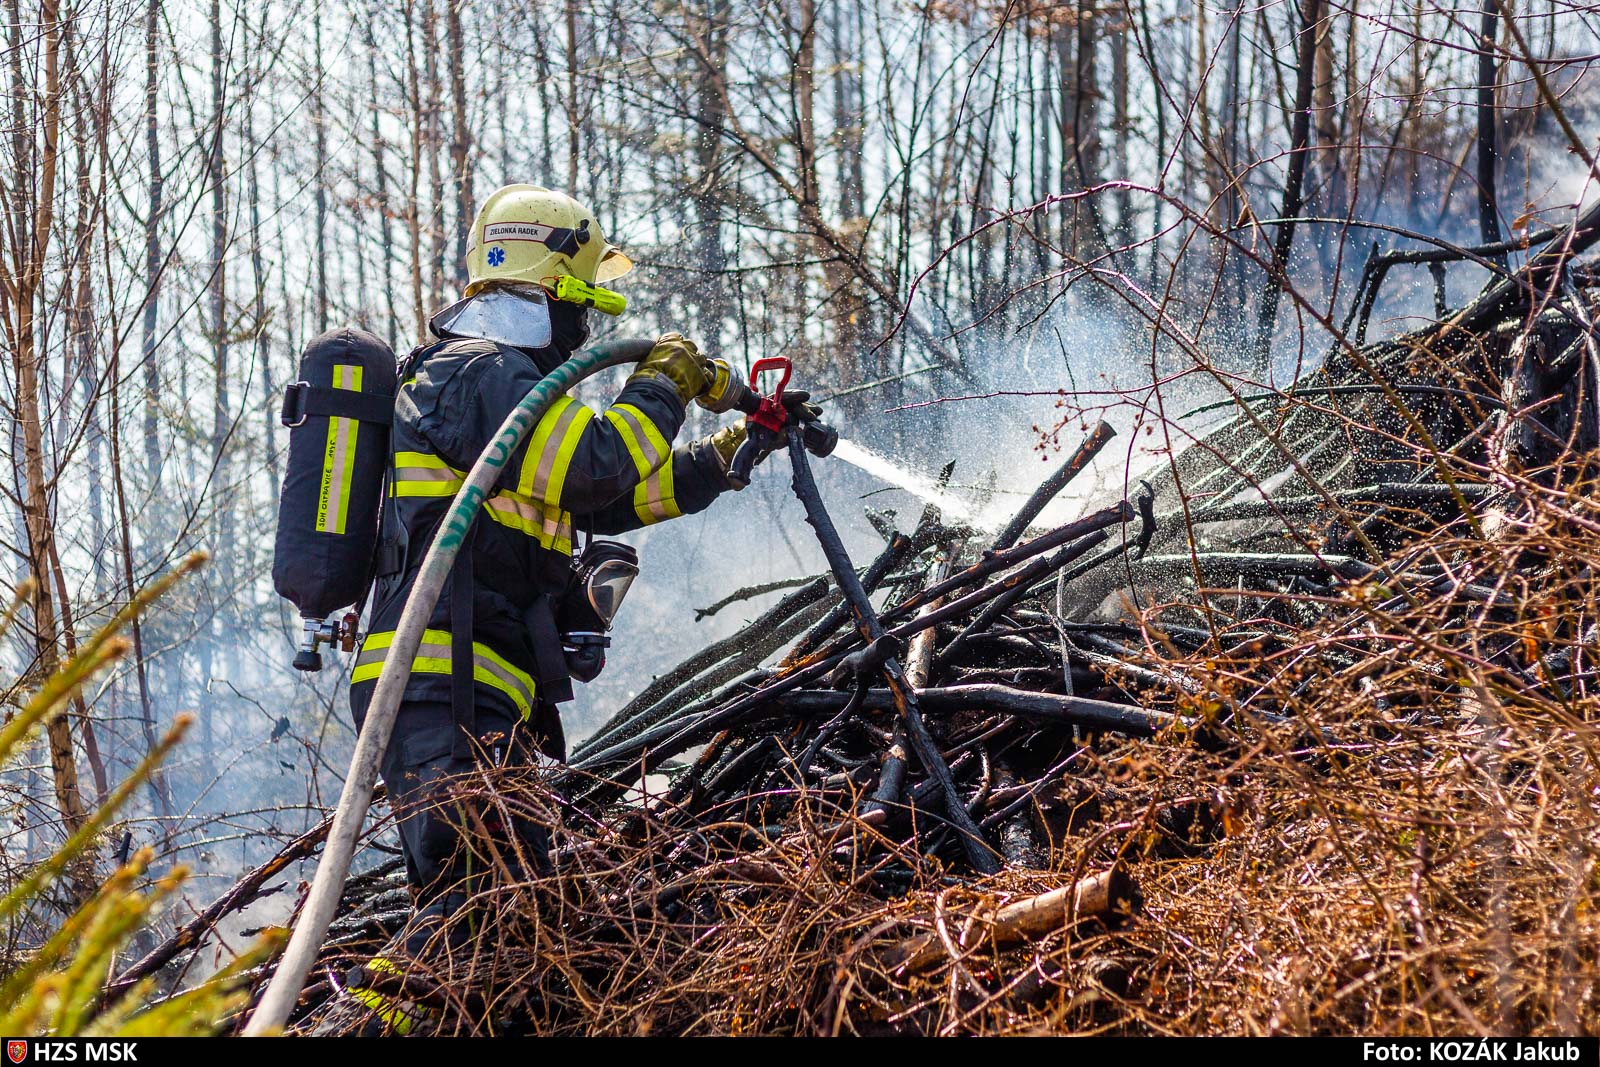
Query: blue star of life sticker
x,y
497,256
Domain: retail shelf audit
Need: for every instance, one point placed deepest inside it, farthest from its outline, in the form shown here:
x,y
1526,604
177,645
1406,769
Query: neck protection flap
x,y
518,317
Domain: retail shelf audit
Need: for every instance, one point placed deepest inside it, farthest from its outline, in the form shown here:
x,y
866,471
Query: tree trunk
x,y
381,178
1080,130
461,137
709,195
226,570
1299,136
319,133
844,304
1488,128
414,173
158,782
81,340
437,241
152,241
802,83
545,76
573,126
1205,139
1122,123
33,207
1327,121
1233,264
258,272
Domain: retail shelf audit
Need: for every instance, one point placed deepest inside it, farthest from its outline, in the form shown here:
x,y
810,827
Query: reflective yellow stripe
x,y
424,474
564,453
658,449
549,454
548,524
338,459
421,459
537,457
653,498
427,483
433,657
401,1015
644,442
421,474
630,440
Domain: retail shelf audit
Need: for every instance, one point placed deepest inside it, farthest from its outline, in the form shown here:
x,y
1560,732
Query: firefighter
x,y
493,664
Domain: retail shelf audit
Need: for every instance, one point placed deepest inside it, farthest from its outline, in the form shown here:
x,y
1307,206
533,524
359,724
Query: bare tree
x,y
30,229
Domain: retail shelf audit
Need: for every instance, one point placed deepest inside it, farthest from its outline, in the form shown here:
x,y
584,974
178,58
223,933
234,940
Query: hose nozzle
x,y
819,438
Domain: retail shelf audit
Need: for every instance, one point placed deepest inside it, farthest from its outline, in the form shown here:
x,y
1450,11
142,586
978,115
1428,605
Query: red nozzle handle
x,y
765,364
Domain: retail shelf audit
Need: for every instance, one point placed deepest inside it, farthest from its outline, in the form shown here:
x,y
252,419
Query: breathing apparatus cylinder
x,y
601,578
338,414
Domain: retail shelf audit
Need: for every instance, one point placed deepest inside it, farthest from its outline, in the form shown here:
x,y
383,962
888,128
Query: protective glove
x,y
723,392
679,362
726,441
801,407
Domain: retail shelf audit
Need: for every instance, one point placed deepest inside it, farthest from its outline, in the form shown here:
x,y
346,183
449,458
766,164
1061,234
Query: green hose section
x,y
323,900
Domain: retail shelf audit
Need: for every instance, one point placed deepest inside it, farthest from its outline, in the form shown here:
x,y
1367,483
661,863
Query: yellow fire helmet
x,y
537,236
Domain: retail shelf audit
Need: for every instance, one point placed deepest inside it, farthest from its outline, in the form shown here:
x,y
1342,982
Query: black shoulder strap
x,y
463,701
408,363
393,546
555,684
385,554
463,698
376,565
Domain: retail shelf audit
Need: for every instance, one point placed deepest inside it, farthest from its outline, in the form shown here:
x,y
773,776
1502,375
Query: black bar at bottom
x,y
1306,1051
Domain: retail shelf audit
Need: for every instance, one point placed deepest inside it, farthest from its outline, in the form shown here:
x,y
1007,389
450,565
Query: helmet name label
x,y
516,231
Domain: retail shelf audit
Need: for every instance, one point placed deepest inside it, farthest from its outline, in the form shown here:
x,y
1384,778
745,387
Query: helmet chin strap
x,y
502,315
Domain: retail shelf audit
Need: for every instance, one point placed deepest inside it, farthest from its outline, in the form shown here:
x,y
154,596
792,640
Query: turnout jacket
x,y
578,471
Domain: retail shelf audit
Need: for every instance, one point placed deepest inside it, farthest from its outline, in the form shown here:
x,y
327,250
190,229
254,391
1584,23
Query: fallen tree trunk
x,y
1101,896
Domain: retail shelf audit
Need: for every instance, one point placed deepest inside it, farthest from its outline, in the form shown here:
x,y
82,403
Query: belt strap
x,y
463,708
555,685
303,399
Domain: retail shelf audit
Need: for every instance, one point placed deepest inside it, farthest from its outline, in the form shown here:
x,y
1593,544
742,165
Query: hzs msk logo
x,y
16,1051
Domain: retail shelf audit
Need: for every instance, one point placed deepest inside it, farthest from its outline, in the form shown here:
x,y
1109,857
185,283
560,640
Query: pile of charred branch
x,y
950,716
938,719
1307,580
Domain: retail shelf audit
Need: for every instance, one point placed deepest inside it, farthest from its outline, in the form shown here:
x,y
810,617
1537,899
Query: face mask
x,y
569,326
586,611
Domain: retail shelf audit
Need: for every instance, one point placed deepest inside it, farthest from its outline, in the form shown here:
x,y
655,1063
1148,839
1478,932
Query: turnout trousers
x,y
431,791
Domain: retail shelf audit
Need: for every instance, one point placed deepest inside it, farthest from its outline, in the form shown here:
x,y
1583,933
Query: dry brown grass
x,y
1409,854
